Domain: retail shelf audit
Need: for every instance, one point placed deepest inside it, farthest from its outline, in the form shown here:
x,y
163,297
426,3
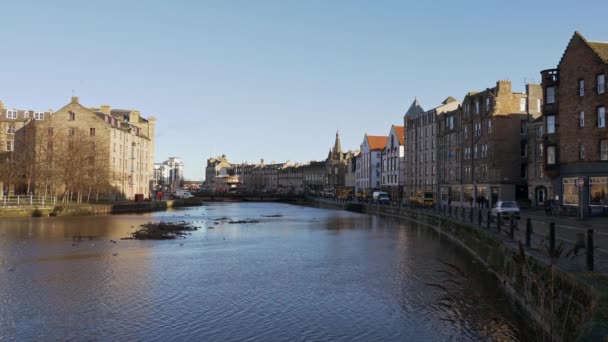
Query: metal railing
x,y
27,200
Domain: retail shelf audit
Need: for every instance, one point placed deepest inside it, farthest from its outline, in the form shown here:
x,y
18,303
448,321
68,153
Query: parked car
x,y
184,194
506,208
380,197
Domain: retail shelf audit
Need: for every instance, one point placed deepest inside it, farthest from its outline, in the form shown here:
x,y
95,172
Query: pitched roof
x,y
376,142
400,131
415,109
599,48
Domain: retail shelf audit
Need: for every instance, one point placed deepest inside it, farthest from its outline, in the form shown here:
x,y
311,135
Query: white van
x,y
185,194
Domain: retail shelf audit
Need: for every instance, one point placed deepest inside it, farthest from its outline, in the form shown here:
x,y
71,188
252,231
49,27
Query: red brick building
x,y
576,136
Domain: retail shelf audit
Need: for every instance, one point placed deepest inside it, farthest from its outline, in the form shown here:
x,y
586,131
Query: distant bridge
x,y
250,197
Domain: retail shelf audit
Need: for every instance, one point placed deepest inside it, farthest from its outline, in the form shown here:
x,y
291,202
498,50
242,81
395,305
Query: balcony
x,y
549,77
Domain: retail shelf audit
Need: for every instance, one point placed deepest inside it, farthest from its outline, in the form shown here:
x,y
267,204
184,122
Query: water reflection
x,y
308,275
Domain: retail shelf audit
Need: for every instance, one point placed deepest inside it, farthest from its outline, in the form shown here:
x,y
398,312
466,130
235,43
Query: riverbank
x,y
567,305
94,209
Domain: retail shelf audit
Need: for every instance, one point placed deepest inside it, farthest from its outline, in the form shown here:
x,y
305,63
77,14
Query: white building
x,y
169,175
393,158
368,163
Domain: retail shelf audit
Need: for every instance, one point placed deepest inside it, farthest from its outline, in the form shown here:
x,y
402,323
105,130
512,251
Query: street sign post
x,y
580,184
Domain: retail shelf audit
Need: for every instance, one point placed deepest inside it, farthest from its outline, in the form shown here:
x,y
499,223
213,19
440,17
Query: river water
x,y
309,275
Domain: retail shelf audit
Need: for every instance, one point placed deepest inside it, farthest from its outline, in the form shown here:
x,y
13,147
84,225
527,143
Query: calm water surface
x,y
310,275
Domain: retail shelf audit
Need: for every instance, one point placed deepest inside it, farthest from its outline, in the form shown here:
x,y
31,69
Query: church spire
x,y
337,147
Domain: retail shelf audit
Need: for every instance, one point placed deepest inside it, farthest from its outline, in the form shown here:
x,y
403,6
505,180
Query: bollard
x,y
589,250
462,212
498,221
512,229
551,237
488,218
471,215
479,217
528,232
450,210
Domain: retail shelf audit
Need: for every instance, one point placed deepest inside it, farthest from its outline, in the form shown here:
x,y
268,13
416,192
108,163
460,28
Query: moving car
x,y
506,208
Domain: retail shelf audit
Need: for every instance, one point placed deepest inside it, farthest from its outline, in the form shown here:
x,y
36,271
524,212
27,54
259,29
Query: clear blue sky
x,y
276,79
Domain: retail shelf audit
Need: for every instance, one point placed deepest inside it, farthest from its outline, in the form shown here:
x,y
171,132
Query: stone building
x,y
336,164
314,177
576,135
449,155
217,172
12,164
351,170
110,146
392,164
368,163
290,180
494,143
540,188
420,172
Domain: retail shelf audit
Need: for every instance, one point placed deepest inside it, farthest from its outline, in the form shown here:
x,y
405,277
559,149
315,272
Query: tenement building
x,y
368,163
393,163
576,136
14,165
449,155
79,150
494,144
540,188
420,172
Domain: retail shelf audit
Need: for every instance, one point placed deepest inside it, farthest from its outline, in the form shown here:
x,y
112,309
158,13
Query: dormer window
x,y
39,116
11,114
26,114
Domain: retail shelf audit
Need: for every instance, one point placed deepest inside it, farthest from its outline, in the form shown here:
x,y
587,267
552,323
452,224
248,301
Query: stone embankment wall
x,y
94,209
566,306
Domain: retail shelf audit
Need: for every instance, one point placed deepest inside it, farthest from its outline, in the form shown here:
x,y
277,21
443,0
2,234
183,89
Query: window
x,y
476,106
11,114
26,114
550,96
523,146
601,117
604,149
540,132
598,191
71,116
540,149
550,124
571,194
487,104
38,115
601,84
92,132
10,146
522,127
581,87
71,131
581,151
10,129
489,126
523,103
581,119
551,155
538,103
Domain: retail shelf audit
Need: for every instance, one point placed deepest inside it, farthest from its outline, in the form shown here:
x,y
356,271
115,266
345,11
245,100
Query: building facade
x,y
393,163
540,188
576,136
336,165
113,149
368,163
420,172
